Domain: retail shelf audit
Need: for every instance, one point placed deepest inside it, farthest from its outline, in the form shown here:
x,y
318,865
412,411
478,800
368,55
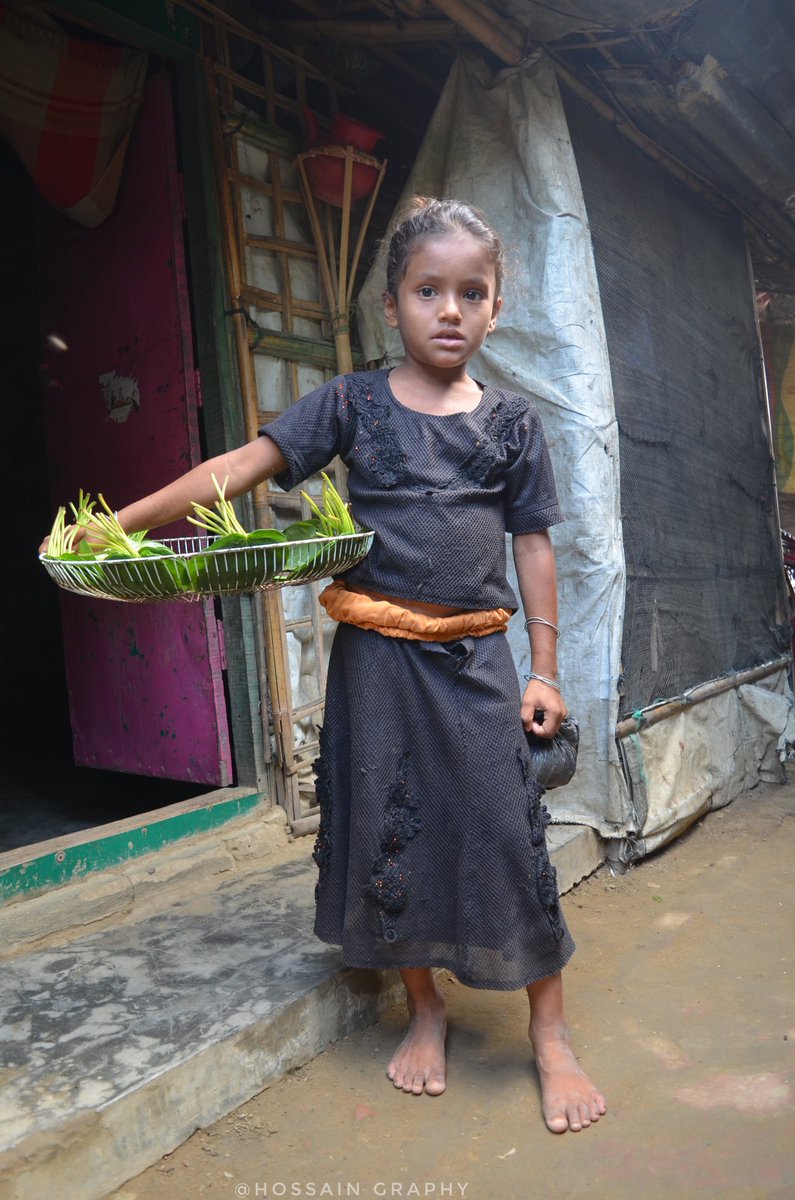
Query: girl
x,y
431,849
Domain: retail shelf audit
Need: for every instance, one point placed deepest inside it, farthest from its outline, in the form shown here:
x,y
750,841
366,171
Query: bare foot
x,y
569,1099
418,1064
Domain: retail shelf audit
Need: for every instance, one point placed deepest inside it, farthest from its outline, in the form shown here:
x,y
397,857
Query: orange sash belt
x,y
392,620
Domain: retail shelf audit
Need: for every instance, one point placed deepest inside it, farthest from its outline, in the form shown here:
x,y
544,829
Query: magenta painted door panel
x,y
145,680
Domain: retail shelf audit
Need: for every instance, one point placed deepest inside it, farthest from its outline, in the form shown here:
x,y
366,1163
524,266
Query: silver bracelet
x,y
543,679
541,621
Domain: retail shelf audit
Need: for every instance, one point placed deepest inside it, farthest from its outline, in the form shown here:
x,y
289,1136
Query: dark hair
x,y
429,217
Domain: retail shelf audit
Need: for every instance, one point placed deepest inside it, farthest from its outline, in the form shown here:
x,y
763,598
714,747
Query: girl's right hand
x,y
78,537
81,532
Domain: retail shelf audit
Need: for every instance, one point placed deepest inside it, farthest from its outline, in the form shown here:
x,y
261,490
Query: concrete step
x,y
119,1044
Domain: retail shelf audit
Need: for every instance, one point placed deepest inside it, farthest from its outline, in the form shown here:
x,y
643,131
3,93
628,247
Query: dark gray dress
x,y
431,849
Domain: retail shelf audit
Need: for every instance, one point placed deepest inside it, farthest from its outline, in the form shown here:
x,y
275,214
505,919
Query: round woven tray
x,y
193,573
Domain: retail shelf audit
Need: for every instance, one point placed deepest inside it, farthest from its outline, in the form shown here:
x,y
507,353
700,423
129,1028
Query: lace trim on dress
x,y
376,447
490,453
387,884
546,875
322,848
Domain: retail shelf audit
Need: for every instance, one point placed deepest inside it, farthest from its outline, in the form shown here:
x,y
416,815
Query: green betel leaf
x,y
155,550
300,531
261,537
228,541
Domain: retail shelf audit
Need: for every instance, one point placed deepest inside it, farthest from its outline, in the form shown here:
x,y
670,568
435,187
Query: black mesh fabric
x,y
431,850
705,590
439,491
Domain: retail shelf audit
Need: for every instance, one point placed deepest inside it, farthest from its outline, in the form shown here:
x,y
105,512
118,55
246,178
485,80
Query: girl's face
x,y
446,302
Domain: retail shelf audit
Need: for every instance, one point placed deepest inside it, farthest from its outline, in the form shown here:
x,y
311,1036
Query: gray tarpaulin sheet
x,y
501,143
702,758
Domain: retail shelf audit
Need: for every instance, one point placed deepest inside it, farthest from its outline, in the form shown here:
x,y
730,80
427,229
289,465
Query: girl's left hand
x,y
543,709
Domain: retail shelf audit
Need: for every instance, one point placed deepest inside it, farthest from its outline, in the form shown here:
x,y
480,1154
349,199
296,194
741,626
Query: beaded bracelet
x,y
542,679
541,621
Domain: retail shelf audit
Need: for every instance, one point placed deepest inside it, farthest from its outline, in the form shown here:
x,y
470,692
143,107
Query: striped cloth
x,y
67,107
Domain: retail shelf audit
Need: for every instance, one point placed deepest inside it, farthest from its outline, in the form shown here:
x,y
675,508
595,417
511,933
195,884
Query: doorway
x,y
43,793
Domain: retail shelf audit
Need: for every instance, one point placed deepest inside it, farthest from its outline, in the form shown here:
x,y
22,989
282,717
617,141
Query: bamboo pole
x,y
357,253
314,310
331,246
337,265
767,406
345,232
303,826
281,245
234,266
272,668
696,695
279,229
483,24
379,32
317,232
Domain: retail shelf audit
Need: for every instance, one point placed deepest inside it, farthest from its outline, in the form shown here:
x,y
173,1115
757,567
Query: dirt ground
x,y
680,999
